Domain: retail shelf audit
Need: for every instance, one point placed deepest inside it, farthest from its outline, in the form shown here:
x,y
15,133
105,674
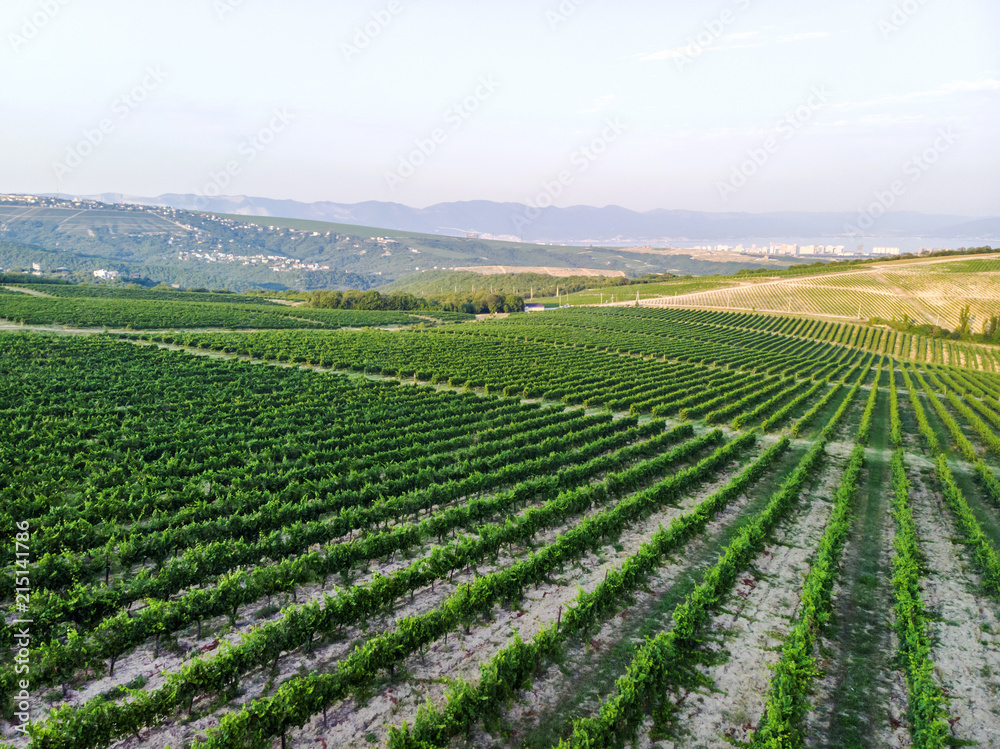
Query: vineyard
x,y
88,307
928,291
673,288
595,527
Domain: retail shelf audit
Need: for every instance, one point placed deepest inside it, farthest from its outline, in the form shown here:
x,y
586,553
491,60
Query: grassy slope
x,y
677,287
929,291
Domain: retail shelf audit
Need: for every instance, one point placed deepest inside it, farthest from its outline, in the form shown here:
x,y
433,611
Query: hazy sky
x,y
745,105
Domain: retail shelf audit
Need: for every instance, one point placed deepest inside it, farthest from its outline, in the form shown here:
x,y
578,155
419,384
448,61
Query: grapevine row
x,y
513,667
926,702
94,725
787,704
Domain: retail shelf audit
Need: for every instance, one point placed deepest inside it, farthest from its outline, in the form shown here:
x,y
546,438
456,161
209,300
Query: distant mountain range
x,y
214,249
583,224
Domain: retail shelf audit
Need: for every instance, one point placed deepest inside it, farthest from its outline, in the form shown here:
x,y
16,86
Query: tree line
x,y
989,331
471,303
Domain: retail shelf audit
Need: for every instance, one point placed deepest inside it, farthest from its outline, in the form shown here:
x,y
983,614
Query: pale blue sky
x,y
889,85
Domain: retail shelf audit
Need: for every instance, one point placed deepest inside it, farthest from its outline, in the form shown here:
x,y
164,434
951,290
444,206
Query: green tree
x,y
494,303
964,318
370,300
991,329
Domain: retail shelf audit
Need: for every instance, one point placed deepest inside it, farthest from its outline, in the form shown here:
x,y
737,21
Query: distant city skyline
x,y
731,106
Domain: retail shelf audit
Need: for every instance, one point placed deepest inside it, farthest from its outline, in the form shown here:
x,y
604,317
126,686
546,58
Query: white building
x,y
107,275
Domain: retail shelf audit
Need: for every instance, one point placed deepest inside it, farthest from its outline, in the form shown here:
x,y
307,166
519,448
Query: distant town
x,y
804,250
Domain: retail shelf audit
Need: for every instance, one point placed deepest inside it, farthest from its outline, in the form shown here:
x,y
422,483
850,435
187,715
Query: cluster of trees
x,y
364,300
991,330
437,284
15,277
924,329
989,333
162,286
481,303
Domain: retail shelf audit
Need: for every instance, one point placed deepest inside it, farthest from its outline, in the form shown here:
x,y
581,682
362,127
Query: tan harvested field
x,y
931,291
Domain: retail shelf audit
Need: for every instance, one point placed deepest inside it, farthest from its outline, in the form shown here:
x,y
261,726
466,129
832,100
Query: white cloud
x,y
952,88
726,42
983,84
865,123
599,103
799,37
670,54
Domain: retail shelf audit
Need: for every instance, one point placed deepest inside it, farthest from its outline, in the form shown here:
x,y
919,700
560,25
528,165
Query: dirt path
x,y
861,696
751,627
574,687
286,302
29,292
965,628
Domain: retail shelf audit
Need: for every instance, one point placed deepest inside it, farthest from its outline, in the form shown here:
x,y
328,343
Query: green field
x,y
649,291
151,309
570,528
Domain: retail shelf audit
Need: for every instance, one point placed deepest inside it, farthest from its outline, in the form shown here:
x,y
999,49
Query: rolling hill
x,y
926,291
240,252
